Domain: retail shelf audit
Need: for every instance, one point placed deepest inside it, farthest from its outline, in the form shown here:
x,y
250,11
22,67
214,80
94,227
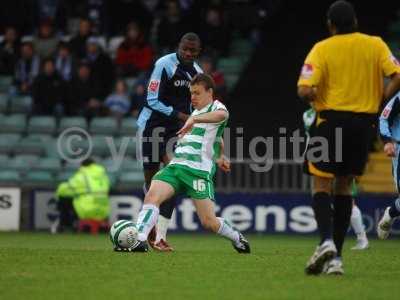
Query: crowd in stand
x,y
57,52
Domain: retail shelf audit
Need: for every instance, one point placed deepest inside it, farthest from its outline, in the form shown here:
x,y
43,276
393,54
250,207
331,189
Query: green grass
x,y
41,266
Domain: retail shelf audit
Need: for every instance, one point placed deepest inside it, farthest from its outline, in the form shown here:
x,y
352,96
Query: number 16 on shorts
x,y
199,185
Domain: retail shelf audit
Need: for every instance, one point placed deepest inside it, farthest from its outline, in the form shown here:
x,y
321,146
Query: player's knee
x,y
343,185
321,185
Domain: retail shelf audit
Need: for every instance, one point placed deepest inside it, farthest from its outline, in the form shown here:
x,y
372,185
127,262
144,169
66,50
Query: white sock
x,y
227,231
357,222
146,220
162,228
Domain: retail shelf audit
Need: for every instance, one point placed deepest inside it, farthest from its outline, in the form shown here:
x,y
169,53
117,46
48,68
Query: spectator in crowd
x,y
214,33
83,93
45,42
101,65
54,11
18,13
134,55
139,93
65,63
208,66
27,68
9,48
78,42
48,90
122,12
118,103
171,27
97,12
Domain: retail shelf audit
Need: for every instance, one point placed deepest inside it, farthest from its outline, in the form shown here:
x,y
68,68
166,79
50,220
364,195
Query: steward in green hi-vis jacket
x,y
89,188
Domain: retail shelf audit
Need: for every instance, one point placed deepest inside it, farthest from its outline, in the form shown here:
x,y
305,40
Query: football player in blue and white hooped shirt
x,y
167,107
389,127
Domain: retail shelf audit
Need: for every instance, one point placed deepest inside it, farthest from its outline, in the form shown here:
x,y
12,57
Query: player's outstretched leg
x,y
359,229
385,223
205,211
159,192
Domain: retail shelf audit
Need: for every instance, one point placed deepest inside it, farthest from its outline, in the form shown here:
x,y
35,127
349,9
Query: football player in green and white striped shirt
x,y
192,169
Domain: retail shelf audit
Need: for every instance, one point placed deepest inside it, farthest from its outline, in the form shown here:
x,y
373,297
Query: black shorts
x,y
157,142
339,143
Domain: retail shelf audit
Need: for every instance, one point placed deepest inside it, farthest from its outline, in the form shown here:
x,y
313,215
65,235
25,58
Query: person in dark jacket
x,y
48,90
101,66
83,93
9,49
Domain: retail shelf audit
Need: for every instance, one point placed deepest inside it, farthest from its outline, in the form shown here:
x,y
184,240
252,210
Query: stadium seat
x,y
21,104
30,145
3,103
71,166
13,124
394,28
68,122
241,47
128,126
58,148
231,80
130,164
64,176
5,83
100,145
23,162
39,179
42,124
9,177
230,65
106,126
43,137
8,142
49,164
127,141
131,180
4,161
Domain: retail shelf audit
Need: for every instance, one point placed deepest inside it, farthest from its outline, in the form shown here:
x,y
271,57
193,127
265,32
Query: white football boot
x,y
334,267
384,225
362,242
323,253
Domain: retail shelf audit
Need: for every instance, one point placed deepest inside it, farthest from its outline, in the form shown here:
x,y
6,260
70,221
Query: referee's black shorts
x,y
155,143
339,143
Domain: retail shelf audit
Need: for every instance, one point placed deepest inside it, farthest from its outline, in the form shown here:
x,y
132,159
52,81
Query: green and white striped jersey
x,y
198,149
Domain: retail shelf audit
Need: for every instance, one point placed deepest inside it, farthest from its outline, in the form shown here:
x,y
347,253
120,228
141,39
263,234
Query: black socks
x,y
343,205
323,212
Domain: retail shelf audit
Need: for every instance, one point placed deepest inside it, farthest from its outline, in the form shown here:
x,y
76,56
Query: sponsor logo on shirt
x,y
307,71
153,85
386,112
179,83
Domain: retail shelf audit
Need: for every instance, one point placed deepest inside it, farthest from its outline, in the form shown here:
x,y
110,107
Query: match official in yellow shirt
x,y
342,79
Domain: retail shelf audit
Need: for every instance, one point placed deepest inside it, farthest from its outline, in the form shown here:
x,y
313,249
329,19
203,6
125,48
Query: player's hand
x,y
182,116
186,128
224,164
390,149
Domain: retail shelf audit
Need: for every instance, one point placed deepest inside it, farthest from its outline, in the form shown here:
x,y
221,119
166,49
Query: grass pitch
x,y
66,266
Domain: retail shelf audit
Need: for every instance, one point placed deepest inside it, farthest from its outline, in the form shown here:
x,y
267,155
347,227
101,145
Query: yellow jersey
x,y
348,71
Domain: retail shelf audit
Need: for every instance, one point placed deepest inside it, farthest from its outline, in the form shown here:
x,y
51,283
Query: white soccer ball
x,y
124,234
